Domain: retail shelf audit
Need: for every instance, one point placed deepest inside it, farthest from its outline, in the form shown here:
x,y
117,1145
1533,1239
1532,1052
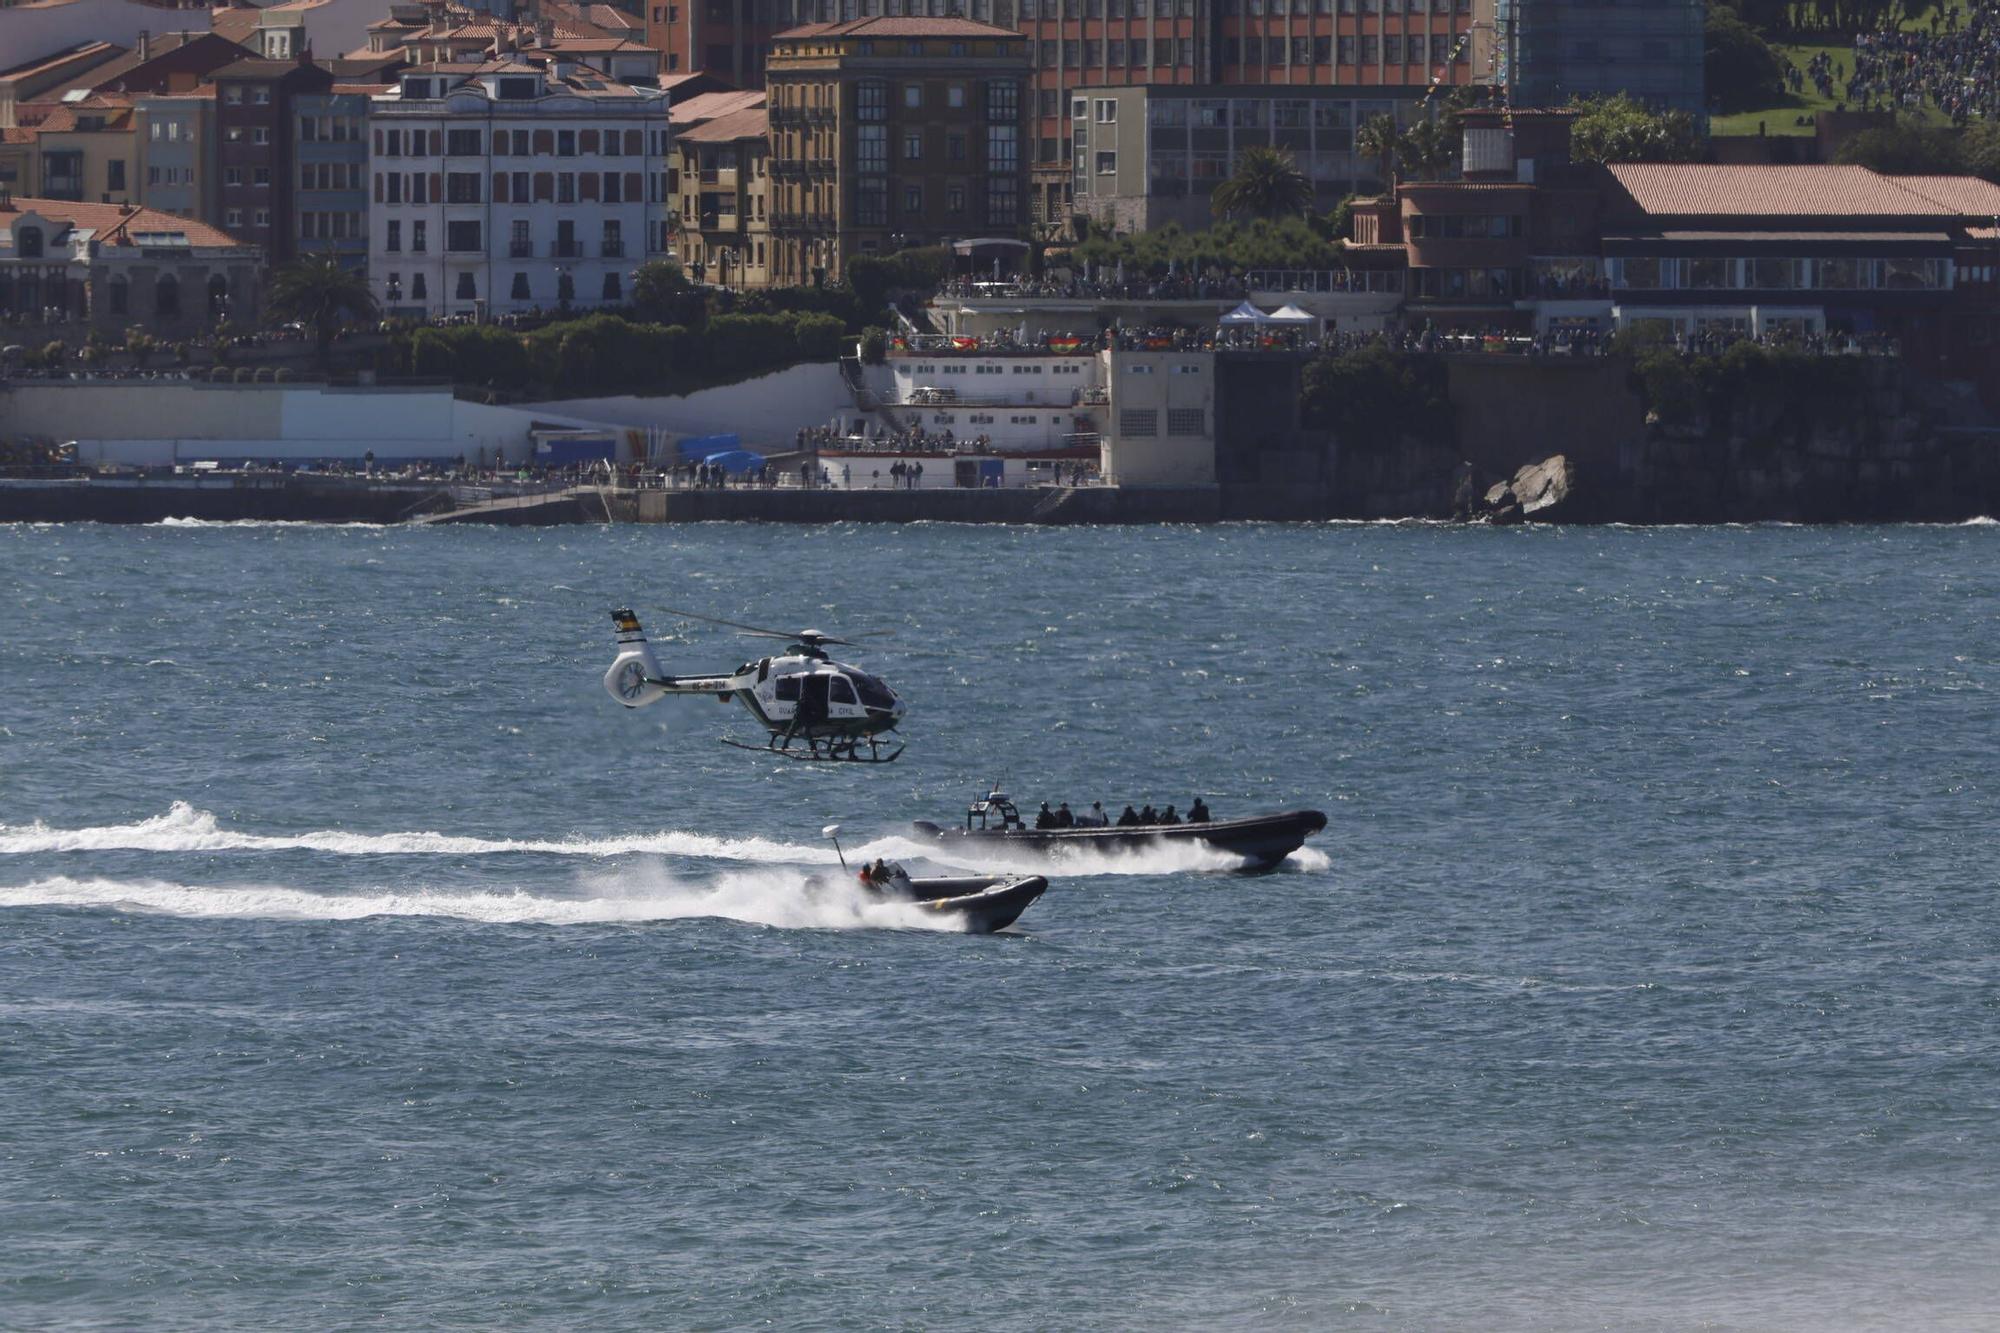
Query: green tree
x,y
1979,147
1376,138
1904,149
1267,184
1427,148
321,293
1618,129
1742,71
661,292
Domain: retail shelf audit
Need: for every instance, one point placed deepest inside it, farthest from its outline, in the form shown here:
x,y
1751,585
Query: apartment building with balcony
x,y
177,154
509,186
254,149
89,150
892,132
330,155
724,206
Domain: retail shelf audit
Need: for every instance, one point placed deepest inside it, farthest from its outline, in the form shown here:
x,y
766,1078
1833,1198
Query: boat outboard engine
x,y
633,671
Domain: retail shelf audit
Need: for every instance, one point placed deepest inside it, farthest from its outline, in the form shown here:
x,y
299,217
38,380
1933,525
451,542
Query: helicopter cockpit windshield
x,y
874,693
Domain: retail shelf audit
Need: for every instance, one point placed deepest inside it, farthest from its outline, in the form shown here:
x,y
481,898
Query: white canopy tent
x,y
1291,314
1245,316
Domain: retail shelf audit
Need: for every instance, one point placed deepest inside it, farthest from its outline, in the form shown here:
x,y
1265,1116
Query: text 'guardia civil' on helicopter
x,y
813,707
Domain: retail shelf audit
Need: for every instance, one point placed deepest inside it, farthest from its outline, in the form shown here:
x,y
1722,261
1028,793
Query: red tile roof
x,y
1968,196
93,53
708,106
116,224
898,27
749,123
1683,189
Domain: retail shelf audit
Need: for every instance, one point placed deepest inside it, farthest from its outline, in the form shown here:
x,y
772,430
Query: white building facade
x,y
509,187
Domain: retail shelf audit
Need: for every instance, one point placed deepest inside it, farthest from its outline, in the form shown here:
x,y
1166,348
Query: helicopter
x,y
813,707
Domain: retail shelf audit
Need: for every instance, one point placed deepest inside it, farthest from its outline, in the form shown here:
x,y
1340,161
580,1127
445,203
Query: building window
x,y
468,288
1002,148
1003,200
871,100
913,96
121,295
1184,421
462,143
1003,101
419,242
954,200
954,95
913,199
1138,422
232,218
461,187
1107,164
167,297
913,145
262,217
520,291
871,148
613,290
871,203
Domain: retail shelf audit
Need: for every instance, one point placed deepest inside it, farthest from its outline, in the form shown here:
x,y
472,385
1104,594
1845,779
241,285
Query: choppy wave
x,y
183,828
645,894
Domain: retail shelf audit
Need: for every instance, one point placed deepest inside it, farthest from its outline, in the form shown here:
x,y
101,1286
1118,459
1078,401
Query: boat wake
x,y
186,829
183,828
637,896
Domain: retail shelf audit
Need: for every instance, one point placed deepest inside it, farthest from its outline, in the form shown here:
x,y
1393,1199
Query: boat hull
x,y
1261,840
978,906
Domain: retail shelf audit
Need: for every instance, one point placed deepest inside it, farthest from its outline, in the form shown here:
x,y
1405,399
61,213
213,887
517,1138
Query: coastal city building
x,y
892,132
111,266
89,150
329,132
1553,50
1150,154
509,186
177,153
723,177
254,151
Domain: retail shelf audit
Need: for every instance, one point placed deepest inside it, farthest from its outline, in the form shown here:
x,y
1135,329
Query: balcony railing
x,y
521,249
566,250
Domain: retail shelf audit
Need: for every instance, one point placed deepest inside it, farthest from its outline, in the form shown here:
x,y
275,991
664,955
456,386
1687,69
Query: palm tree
x,y
318,291
1267,184
1427,148
1376,138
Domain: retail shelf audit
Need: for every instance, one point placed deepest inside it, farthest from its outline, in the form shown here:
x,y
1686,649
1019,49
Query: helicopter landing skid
x,y
824,751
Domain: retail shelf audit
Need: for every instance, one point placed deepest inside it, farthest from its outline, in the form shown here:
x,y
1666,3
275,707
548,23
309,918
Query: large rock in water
x,y
1535,491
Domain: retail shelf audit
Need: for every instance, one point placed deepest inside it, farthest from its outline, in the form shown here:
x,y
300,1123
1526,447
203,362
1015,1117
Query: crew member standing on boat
x,y
1198,812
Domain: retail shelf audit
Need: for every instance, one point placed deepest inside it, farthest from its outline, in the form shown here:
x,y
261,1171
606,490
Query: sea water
x,y
362,963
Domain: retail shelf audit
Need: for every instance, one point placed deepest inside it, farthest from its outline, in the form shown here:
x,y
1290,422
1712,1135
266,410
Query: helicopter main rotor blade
x,y
733,624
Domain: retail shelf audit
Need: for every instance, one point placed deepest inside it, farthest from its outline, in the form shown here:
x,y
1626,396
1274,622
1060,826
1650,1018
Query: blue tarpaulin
x,y
735,460
701,446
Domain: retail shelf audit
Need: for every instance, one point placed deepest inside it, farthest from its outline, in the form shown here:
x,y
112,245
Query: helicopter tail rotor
x,y
634,673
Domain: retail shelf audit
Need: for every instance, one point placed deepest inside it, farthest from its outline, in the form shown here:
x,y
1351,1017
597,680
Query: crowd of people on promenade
x,y
1205,286
1098,817
1952,65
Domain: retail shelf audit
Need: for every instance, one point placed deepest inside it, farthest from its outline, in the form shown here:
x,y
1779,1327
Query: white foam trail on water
x,y
1309,858
171,522
646,894
1983,521
183,828
186,829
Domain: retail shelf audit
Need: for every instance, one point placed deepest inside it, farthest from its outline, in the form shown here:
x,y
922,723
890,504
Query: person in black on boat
x,y
1170,817
1128,818
1045,817
1149,815
1198,812
1064,819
